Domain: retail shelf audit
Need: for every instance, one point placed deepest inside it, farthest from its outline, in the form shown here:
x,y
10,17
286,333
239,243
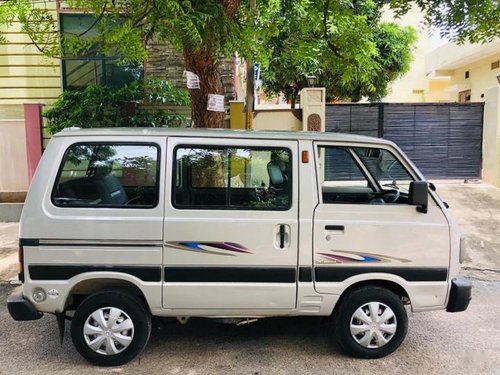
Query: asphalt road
x,y
437,343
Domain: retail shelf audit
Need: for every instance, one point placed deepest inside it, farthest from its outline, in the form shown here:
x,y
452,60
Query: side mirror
x,y
419,195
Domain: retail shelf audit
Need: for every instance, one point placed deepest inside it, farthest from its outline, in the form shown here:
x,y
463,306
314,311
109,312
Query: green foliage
x,y
475,21
162,91
181,22
344,44
390,60
102,106
227,25
342,41
38,22
292,55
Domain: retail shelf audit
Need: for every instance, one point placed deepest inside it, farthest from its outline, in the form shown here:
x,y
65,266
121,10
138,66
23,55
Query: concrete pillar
x,y
491,136
312,102
236,114
33,127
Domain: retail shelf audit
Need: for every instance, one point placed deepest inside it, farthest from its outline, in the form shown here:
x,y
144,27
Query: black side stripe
x,y
28,242
97,244
230,274
65,272
37,242
235,274
338,274
305,274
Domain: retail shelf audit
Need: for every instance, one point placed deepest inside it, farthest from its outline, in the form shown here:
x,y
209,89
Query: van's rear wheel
x,y
110,328
371,322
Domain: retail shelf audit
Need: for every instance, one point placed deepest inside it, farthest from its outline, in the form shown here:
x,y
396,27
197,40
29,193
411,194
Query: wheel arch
x,y
392,286
89,286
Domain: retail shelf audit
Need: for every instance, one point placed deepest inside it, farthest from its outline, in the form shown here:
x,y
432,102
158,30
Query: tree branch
x,y
147,11
326,37
230,6
95,22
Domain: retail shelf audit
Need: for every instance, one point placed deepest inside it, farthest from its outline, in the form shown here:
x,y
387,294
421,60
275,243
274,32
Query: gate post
x,y
33,127
312,102
491,136
381,120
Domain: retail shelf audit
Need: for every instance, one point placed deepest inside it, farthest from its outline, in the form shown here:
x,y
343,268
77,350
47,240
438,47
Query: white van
x,y
120,225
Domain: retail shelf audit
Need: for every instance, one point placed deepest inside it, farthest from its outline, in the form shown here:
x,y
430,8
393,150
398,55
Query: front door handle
x,y
334,230
338,228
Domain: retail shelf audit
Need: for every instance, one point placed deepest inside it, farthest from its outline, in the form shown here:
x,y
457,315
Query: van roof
x,y
224,133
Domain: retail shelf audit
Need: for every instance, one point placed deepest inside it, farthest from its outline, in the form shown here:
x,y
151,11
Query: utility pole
x,y
250,97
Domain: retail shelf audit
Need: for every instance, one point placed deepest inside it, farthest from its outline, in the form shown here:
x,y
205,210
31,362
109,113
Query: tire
x,y
111,347
366,338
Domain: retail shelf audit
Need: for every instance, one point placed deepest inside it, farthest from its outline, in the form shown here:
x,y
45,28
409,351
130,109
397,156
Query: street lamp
x,y
311,80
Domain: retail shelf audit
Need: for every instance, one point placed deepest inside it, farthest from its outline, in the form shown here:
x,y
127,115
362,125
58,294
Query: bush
x,y
102,106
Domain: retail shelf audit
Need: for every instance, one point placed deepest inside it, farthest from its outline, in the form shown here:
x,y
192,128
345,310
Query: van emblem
x,y
337,256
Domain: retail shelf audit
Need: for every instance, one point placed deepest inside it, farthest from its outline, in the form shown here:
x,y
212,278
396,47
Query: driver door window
x,y
361,175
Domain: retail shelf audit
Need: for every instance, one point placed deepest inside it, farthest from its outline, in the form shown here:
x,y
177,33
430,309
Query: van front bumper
x,y
21,309
460,295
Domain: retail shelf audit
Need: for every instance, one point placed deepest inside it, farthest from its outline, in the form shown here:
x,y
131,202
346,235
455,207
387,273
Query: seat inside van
x,y
101,188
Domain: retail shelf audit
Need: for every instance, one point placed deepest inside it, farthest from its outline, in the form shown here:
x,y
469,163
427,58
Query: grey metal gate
x,y
444,140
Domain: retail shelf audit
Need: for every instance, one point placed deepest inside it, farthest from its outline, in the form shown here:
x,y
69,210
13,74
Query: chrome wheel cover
x,y
373,325
108,331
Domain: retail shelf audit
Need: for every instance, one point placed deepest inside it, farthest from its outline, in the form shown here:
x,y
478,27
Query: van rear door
x,y
231,224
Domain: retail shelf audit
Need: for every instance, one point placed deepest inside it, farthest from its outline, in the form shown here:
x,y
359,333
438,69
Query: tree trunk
x,y
295,95
203,63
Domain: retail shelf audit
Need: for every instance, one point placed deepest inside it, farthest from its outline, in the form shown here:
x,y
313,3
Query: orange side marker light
x,y
305,157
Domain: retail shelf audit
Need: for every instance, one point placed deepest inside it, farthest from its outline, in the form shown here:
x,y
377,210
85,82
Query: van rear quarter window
x,y
109,175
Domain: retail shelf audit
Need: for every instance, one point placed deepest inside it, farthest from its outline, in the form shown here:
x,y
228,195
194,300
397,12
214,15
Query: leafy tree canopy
x,y
226,25
475,21
346,45
206,30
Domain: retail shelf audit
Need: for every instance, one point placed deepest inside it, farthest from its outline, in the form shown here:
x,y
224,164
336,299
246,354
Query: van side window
x,y
108,175
232,178
362,175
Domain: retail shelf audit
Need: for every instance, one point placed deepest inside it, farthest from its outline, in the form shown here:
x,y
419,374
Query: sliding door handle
x,y
282,234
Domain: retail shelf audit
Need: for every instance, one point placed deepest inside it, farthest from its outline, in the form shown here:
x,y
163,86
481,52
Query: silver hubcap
x,y
108,331
373,325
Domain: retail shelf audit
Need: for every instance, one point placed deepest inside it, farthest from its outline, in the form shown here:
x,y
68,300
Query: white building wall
x,y
413,87
481,78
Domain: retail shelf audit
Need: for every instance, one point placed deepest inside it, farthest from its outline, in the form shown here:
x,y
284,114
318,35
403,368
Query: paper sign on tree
x,y
215,103
192,80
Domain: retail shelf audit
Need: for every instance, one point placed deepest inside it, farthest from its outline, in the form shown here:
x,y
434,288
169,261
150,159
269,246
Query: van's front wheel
x,y
110,328
371,322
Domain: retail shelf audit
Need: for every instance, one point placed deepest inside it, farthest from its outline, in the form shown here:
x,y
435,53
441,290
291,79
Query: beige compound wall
x,y
13,159
491,137
276,120
26,76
